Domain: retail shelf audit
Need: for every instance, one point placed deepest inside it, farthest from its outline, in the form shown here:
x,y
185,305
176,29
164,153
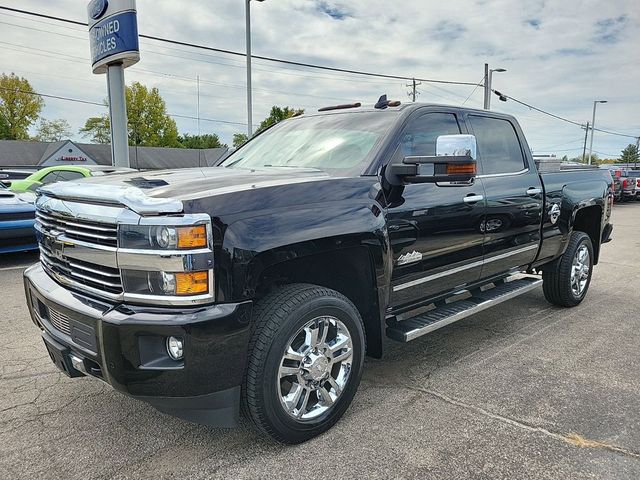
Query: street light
x,y
249,102
593,125
488,75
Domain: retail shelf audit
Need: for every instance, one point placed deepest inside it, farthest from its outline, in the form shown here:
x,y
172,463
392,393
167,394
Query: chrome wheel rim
x,y
315,368
580,270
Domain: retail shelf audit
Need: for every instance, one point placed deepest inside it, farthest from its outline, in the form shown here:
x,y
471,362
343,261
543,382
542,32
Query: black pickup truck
x,y
259,284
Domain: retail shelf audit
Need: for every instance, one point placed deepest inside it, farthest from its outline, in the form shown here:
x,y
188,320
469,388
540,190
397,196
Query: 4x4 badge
x,y
409,258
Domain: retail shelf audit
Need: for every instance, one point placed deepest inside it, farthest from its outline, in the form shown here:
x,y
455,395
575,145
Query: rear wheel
x,y
566,280
305,364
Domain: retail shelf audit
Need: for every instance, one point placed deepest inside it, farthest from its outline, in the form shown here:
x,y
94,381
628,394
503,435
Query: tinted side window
x,y
419,137
498,145
65,176
49,178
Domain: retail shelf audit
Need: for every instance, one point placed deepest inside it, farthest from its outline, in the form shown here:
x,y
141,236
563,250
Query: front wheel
x,y
305,363
567,279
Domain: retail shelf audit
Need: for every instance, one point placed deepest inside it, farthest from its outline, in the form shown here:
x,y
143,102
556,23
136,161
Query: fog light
x,y
175,348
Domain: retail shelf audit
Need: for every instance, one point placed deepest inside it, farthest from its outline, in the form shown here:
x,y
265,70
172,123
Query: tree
x,y
20,106
148,122
278,114
53,130
98,128
4,128
239,139
208,140
630,154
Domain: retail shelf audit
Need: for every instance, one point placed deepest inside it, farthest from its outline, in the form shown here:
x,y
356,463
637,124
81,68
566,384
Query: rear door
x,y
435,233
513,192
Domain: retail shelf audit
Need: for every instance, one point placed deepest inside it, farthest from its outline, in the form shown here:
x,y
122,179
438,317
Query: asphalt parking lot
x,y
524,390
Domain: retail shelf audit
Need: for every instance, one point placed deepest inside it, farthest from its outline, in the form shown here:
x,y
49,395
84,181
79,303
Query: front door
x,y
435,230
513,192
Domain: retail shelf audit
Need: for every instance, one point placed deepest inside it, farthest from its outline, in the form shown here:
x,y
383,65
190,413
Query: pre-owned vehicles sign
x,y
113,33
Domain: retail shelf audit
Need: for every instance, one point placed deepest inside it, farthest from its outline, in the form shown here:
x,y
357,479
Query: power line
x,y
57,97
472,92
502,95
89,102
232,52
581,125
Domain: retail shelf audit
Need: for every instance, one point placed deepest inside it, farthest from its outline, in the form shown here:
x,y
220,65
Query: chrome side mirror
x,y
456,146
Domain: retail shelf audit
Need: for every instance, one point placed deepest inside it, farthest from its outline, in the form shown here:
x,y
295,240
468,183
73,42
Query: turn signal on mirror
x,y
461,168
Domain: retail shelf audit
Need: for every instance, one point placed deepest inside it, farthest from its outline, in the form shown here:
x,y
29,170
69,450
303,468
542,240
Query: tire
x,y
557,277
284,321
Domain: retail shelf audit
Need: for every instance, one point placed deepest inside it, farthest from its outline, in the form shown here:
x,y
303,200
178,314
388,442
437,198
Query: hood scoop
x,y
131,197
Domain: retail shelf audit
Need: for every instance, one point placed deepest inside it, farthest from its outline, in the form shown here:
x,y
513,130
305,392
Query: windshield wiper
x,y
293,166
233,163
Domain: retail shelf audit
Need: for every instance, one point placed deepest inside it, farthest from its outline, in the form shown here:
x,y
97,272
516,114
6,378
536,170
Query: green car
x,y
61,173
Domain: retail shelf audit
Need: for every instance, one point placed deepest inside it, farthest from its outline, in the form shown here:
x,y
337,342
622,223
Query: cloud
x,y
534,22
334,11
609,29
561,67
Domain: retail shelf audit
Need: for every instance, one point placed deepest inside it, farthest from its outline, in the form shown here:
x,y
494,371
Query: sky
x,y
560,56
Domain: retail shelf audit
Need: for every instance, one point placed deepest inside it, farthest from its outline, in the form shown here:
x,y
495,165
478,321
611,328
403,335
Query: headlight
x,y
163,237
167,260
179,284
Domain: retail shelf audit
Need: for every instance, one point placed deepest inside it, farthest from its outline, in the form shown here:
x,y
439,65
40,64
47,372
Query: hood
x,y
10,201
157,192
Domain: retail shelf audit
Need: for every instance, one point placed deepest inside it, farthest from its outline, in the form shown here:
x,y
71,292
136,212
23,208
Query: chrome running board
x,y
412,328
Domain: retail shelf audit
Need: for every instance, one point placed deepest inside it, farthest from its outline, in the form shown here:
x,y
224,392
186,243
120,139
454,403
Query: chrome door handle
x,y
473,198
534,191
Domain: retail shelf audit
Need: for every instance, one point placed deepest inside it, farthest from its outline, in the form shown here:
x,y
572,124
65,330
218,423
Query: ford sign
x,y
97,8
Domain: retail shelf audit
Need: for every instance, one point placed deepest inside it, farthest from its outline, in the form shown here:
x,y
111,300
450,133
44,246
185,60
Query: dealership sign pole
x,y
113,33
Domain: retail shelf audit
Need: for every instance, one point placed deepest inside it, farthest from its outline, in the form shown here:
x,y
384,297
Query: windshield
x,y
339,144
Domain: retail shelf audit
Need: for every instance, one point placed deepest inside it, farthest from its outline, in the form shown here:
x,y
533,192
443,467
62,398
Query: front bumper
x,y
125,346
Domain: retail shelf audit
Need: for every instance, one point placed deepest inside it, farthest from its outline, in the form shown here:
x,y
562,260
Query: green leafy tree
x,y
98,128
4,129
630,154
148,122
208,140
239,139
53,130
278,114
20,106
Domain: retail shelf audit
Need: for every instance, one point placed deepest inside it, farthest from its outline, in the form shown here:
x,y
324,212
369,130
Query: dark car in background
x,y
17,218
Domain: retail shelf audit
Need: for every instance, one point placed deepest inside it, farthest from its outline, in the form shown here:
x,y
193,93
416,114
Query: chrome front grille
x,y
85,273
60,321
87,231
78,251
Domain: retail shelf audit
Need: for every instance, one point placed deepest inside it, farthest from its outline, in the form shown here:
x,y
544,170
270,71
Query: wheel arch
x,y
350,271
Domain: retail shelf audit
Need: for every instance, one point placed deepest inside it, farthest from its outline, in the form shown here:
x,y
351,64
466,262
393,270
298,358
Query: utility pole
x,y
593,126
488,74
584,149
249,100
487,87
413,93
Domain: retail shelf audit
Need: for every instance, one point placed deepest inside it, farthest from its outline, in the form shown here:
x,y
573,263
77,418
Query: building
x,y
30,155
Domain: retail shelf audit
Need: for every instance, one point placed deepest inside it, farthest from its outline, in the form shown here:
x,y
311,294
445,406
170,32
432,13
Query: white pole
x,y
249,101
487,86
118,116
593,126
